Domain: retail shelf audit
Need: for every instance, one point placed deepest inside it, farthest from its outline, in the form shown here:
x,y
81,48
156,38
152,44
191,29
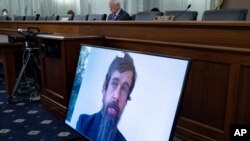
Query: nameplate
x,y
164,18
64,19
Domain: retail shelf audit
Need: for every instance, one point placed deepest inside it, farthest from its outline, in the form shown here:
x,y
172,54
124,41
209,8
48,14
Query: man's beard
x,y
108,125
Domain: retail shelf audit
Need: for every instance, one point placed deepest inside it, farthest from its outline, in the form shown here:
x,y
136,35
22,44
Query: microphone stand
x,y
178,15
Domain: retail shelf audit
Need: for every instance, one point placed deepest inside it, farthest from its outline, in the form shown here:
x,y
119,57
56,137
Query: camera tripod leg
x,y
10,98
36,62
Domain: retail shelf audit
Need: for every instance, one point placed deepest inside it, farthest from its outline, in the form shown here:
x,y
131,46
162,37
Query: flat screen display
x,y
123,95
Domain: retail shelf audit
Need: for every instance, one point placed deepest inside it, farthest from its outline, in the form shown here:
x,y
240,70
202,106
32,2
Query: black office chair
x,y
42,18
32,18
66,18
182,15
52,18
3,18
225,15
147,16
19,18
132,17
80,18
97,17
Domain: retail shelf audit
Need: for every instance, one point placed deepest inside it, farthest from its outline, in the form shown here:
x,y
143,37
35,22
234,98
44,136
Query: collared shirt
x,y
116,14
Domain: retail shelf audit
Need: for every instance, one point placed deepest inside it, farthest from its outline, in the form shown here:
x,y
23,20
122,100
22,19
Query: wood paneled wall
x,y
217,91
232,4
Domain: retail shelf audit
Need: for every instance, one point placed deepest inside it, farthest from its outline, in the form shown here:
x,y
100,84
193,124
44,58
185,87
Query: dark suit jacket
x,y
88,126
122,15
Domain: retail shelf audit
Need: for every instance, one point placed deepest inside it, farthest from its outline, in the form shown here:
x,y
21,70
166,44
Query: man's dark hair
x,y
122,63
155,9
71,12
4,10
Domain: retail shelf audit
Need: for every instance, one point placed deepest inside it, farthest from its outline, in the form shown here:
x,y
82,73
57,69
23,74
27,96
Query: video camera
x,y
30,62
28,36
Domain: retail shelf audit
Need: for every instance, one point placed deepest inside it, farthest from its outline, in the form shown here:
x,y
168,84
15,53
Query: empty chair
x,y
66,18
52,18
19,18
225,15
32,18
80,17
182,15
147,16
132,17
42,18
98,17
3,18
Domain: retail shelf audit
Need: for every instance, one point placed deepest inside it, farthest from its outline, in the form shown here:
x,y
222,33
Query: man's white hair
x,y
115,1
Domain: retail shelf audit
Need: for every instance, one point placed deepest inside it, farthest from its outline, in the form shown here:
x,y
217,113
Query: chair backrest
x,y
98,17
3,18
132,17
80,18
42,18
52,18
225,15
66,18
147,16
32,18
182,15
19,18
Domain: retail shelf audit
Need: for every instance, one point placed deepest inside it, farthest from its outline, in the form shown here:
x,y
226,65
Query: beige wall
x,y
238,4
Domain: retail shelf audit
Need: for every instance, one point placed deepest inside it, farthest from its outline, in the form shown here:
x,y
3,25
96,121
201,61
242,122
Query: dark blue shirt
x,y
88,126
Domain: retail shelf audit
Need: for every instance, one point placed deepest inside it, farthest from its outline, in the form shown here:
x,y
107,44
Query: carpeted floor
x,y
26,120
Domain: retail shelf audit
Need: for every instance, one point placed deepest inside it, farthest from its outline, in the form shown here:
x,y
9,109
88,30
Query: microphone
x,y
25,10
178,15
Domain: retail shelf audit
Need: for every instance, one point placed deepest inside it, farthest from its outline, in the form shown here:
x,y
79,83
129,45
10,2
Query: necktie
x,y
114,16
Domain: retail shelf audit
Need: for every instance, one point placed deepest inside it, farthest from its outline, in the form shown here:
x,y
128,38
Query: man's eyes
x,y
114,84
124,88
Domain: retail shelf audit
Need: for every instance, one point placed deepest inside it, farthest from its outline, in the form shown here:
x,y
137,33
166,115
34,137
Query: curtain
x,y
217,4
4,4
140,5
84,7
149,4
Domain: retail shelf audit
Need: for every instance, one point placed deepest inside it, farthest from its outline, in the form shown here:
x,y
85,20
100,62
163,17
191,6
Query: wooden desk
x,y
58,66
10,55
217,92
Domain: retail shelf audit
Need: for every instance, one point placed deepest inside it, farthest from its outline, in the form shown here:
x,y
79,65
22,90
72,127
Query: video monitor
x,y
121,95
